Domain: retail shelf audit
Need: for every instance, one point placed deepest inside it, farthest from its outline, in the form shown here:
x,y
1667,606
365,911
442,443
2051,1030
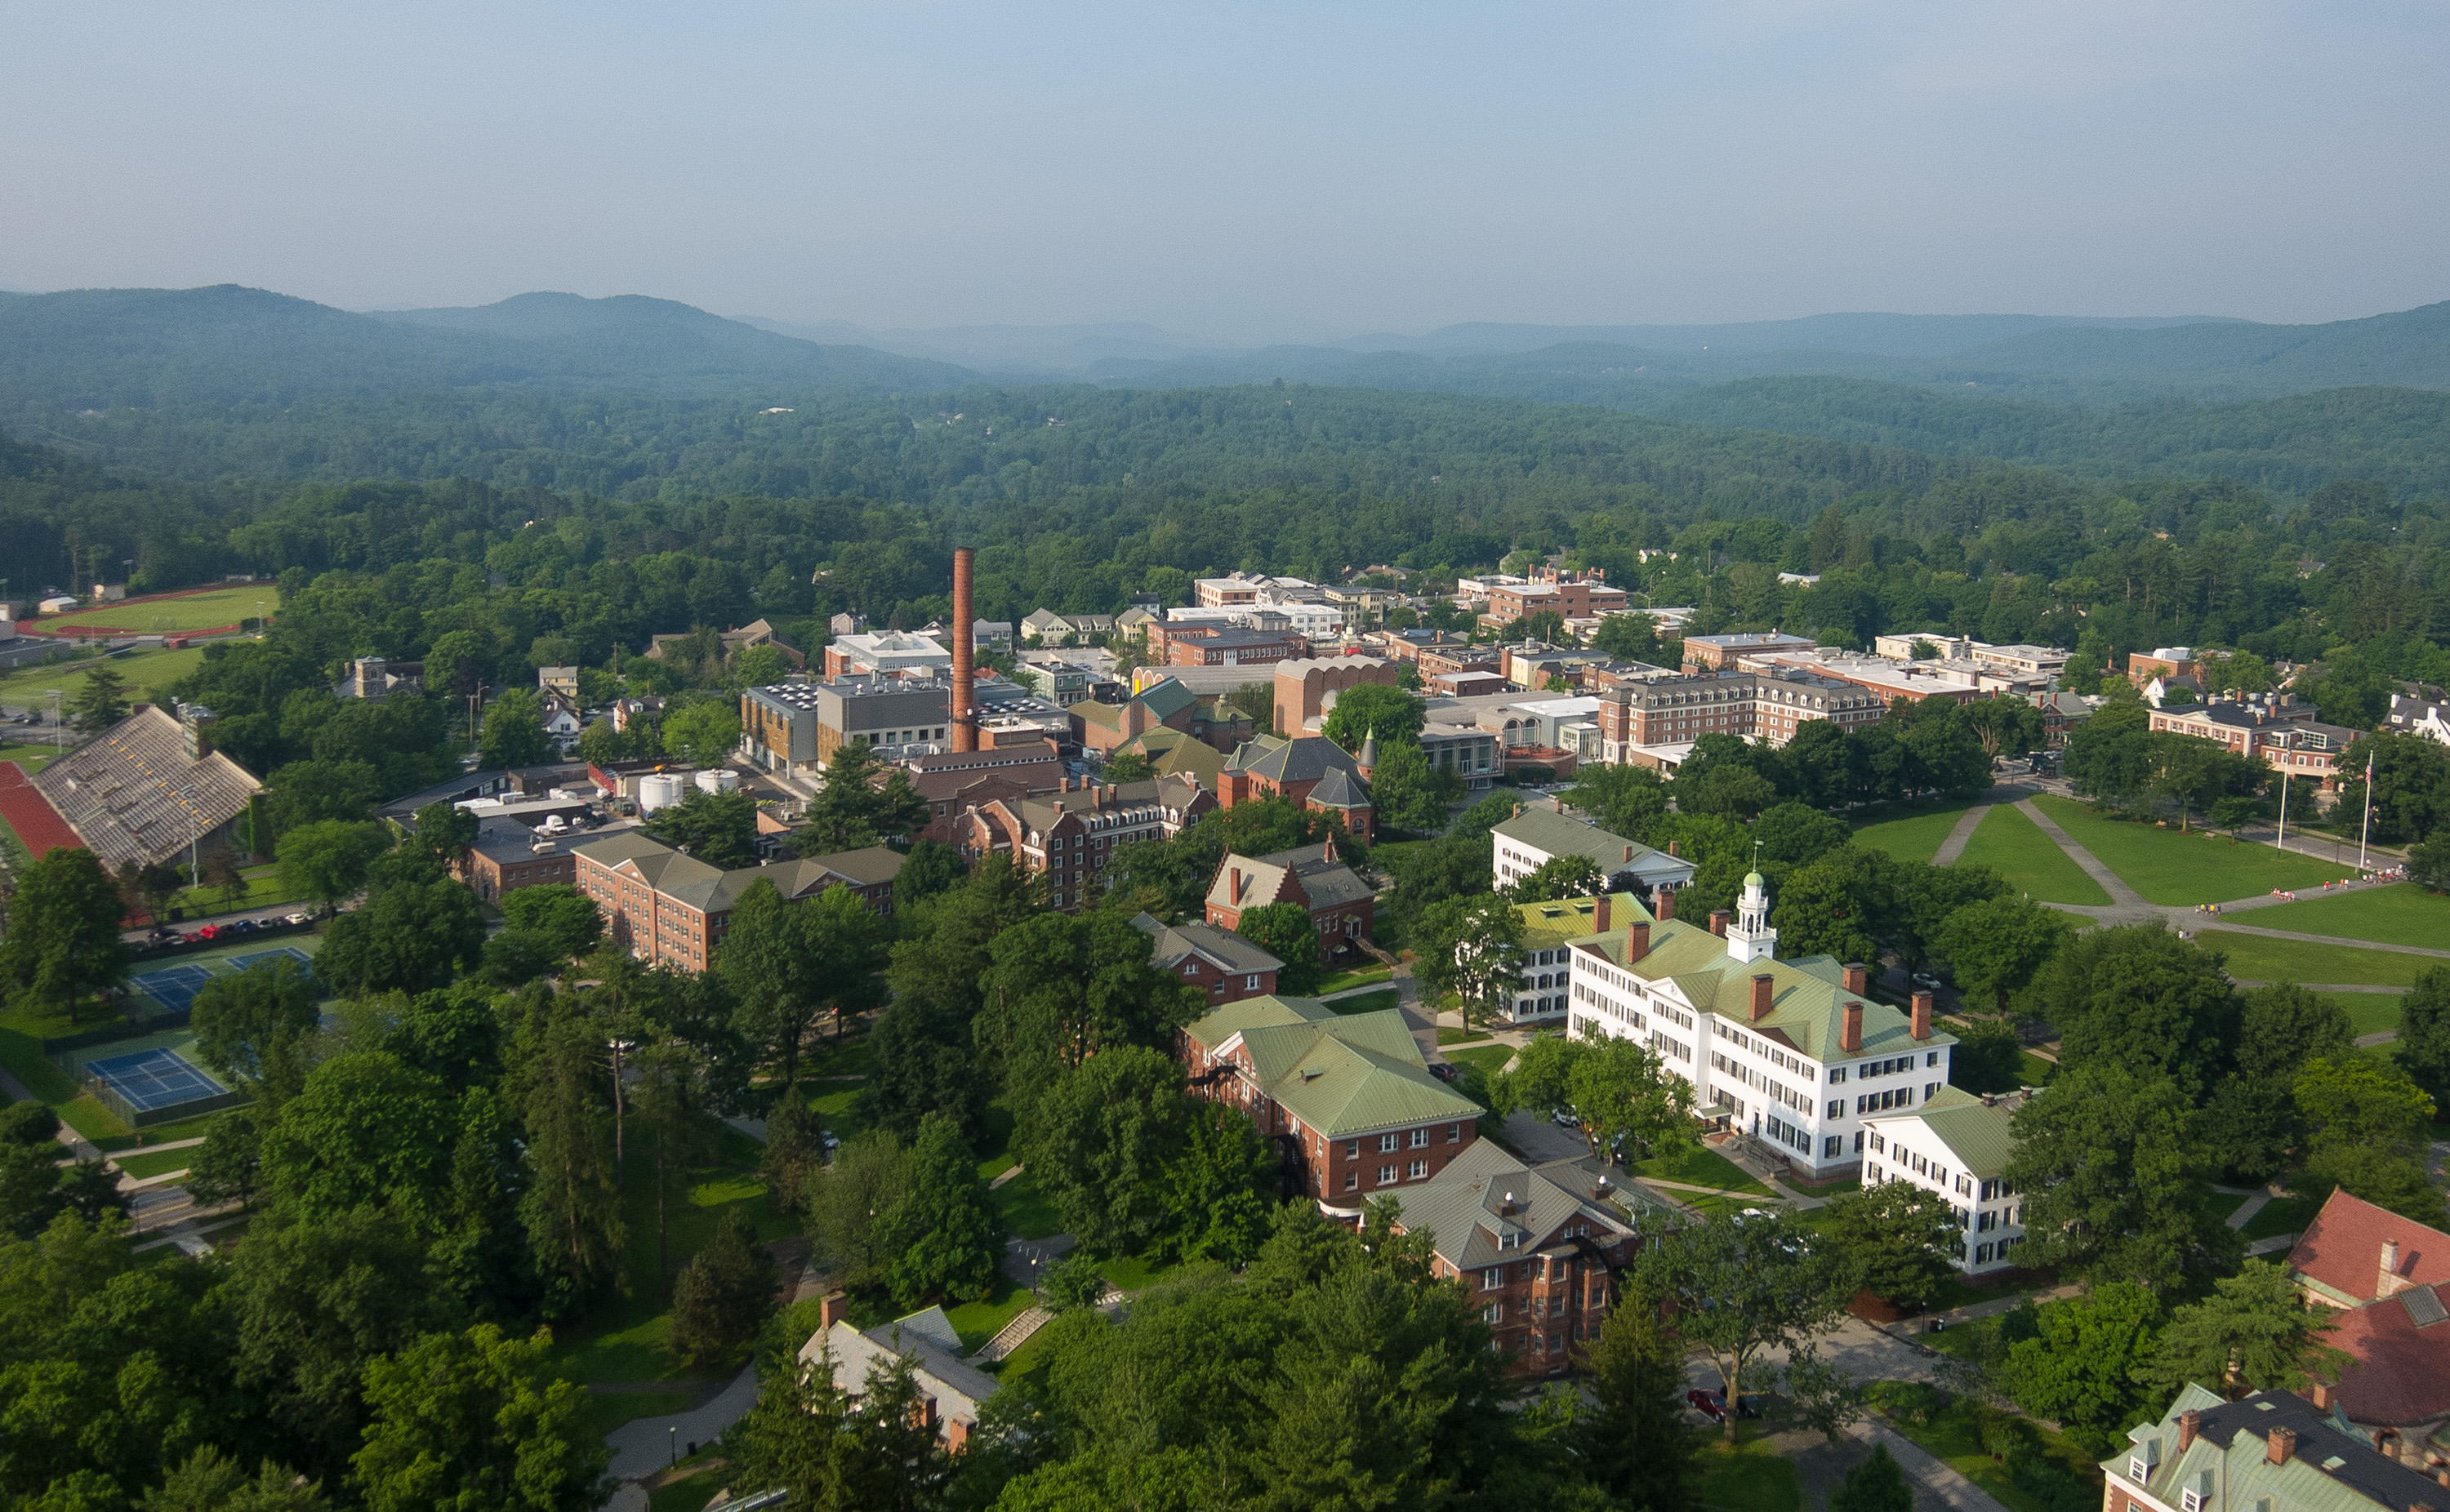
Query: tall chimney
x,y
2190,1425
2280,1445
1663,903
1763,985
1719,917
1637,941
966,712
1859,978
1850,1037
1922,1016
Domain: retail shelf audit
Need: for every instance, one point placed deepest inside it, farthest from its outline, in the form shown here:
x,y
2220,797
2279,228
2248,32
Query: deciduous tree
x,y
2255,1332
1898,1241
1742,1287
2111,1171
63,942
329,859
2084,1365
1286,932
943,1234
474,1422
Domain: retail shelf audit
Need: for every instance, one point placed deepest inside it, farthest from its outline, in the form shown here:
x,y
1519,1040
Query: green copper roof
x,y
1976,1135
1338,1073
1545,925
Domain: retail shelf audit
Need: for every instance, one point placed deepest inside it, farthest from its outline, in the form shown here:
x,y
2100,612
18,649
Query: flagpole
x,y
2283,794
2366,827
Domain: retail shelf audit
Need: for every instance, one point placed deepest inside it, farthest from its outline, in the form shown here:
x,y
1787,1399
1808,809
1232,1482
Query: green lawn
x,y
702,1476
1368,1003
2220,1204
2369,1013
157,1162
192,612
2194,867
2257,957
30,759
2282,1215
1490,1059
1751,1477
623,1338
1700,1167
1911,833
1137,1272
2401,915
144,672
2037,1071
1955,1292
995,1142
1449,1034
23,1055
1952,1437
2014,846
262,890
1343,979
978,1322
1027,1214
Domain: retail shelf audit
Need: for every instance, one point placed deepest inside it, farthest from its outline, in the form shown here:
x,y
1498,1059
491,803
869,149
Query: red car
x,y
1706,1404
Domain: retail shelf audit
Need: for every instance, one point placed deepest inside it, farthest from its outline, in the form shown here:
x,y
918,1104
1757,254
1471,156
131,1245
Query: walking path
x,y
642,1446
1954,846
2123,899
1932,1477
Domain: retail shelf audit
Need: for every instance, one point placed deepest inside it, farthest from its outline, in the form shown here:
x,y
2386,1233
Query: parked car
x,y
296,918
163,935
828,1139
1564,1118
243,927
1443,1071
1926,980
1706,1404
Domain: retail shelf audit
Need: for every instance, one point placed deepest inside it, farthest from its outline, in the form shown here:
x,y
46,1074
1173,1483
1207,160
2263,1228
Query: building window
x,y
1493,1313
1491,1279
1352,1150
1420,1139
1387,1144
1352,1181
1385,1175
1454,1134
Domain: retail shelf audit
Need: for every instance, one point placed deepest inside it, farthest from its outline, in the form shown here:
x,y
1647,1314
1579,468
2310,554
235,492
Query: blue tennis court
x,y
306,962
153,1079
173,987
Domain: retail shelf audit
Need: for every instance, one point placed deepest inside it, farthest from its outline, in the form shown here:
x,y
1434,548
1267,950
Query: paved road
x,y
644,1446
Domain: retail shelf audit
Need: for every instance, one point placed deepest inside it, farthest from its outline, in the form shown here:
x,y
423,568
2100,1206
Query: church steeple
x,y
1751,938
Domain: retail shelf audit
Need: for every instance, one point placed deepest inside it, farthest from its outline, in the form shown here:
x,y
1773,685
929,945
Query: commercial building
x,y
2273,729
1539,834
1106,727
1956,1144
1768,706
891,653
1239,587
1346,1100
1342,907
507,856
955,782
1068,836
671,909
1225,646
2269,1451
1795,1052
2385,1282
794,729
1222,965
1568,598
1717,653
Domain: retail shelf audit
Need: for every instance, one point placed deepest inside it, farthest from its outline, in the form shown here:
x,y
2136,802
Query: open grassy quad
x,y
1699,1167
1367,1003
145,672
625,1338
1911,832
2258,957
2403,914
1344,980
2195,866
1490,1059
2031,862
187,612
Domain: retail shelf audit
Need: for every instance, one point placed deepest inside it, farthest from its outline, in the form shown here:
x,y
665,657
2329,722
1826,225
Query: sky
x,y
1250,171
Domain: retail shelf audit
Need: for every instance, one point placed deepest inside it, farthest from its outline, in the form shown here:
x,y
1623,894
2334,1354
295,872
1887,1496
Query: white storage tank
x,y
658,792
718,780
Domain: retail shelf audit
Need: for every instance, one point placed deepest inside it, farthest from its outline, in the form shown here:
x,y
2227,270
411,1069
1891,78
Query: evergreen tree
x,y
723,1295
1877,1484
572,1208
1636,1446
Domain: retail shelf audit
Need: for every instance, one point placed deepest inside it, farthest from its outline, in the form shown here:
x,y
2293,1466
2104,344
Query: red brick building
x,y
1224,966
673,910
507,856
1346,1100
1069,835
1312,772
1227,646
1341,905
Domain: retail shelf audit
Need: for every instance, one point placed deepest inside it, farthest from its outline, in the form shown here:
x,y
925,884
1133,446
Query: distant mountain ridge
x,y
146,348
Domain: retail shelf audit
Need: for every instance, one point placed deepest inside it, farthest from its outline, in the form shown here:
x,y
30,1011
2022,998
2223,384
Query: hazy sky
x,y
1254,170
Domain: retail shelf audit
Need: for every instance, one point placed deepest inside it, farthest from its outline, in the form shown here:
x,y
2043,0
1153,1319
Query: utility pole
x,y
2364,824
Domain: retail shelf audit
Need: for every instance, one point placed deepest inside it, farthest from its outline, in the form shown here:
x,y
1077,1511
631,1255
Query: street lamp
x,y
55,719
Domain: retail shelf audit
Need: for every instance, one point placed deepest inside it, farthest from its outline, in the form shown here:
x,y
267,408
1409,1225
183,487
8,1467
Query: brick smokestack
x,y
1719,918
965,713
2279,1444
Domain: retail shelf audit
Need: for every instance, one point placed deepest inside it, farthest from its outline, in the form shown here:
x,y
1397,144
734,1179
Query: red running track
x,y
31,815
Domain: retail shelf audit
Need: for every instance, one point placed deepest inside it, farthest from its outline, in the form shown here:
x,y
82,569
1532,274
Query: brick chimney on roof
x,y
1858,978
1601,911
1764,985
1637,941
1850,1037
833,1309
2191,1426
1719,920
2388,1282
2280,1445
1663,903
1922,1016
